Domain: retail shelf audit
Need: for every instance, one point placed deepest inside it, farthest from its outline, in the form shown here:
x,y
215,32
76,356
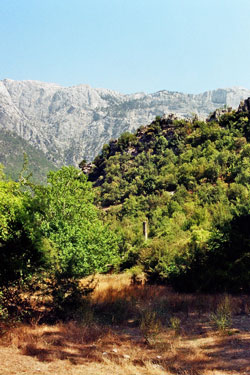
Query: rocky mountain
x,y
72,123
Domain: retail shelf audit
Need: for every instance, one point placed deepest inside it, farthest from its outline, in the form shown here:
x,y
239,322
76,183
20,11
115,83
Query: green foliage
x,y
190,180
126,140
66,217
11,156
55,231
19,255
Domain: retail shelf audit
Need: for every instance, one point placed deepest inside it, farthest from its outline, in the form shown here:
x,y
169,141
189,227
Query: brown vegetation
x,y
182,338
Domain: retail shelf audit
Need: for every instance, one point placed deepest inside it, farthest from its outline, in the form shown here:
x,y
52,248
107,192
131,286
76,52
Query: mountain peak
x,y
72,123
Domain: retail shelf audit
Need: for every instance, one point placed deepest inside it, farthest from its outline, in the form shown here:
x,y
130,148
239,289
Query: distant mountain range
x,y
69,124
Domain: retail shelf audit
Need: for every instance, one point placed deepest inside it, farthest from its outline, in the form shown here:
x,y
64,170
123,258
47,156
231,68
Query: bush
x,y
20,256
15,302
150,326
175,324
70,300
222,318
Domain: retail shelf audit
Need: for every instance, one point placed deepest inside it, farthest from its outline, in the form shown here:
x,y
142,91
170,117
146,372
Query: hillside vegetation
x,y
187,180
190,181
12,149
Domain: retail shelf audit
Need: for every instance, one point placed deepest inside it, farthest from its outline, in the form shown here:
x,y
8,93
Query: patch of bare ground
x,y
190,346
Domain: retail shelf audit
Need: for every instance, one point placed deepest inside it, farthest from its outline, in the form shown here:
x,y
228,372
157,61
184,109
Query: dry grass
x,y
112,348
111,287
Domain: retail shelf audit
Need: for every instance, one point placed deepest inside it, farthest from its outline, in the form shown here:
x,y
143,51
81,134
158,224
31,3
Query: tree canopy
x,y
190,180
54,226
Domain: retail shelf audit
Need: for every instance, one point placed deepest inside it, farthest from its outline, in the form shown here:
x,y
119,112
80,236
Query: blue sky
x,y
127,45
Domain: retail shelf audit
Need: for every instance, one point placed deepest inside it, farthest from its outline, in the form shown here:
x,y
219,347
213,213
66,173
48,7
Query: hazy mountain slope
x,y
72,123
12,148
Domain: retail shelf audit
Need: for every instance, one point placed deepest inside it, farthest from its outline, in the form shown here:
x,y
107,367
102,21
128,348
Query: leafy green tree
x,y
66,217
19,255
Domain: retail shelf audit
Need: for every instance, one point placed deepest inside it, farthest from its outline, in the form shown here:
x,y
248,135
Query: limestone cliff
x,y
72,123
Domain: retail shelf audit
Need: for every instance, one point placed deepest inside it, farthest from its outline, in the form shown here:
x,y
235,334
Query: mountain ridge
x,y
72,123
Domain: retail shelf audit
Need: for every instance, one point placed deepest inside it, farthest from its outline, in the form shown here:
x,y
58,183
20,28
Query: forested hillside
x,y
12,150
190,181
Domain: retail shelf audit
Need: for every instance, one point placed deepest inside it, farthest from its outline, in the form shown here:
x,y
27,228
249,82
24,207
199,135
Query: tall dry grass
x,y
112,340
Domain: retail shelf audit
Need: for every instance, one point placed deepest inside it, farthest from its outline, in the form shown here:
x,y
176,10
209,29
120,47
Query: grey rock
x,y
217,113
72,123
244,106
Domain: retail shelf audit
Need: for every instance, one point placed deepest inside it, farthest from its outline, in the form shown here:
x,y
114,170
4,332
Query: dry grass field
x,y
133,330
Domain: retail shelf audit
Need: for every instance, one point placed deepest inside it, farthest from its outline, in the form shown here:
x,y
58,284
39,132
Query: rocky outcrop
x,y
218,113
72,123
244,106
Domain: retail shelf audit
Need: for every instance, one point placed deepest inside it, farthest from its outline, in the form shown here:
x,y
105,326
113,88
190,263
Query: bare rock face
x,y
217,113
72,123
244,106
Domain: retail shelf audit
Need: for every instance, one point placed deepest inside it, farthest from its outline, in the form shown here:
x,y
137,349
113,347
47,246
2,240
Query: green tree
x,y
66,217
19,255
